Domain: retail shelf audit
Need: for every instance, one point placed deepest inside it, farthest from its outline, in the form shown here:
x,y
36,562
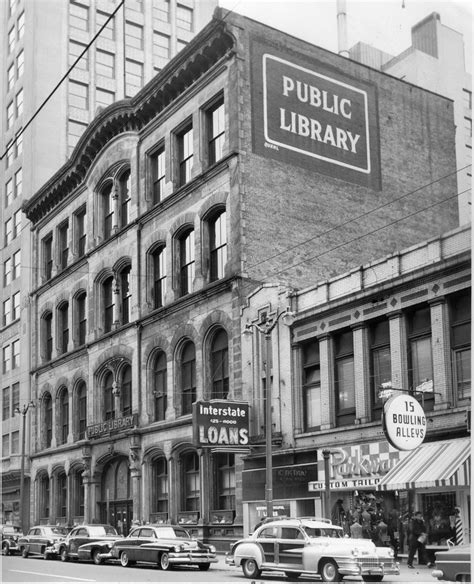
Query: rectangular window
x,y
80,232
103,98
161,49
6,403
216,131
8,231
184,18
10,115
20,64
218,246
344,378
109,31
63,314
15,354
126,295
133,35
133,77
9,193
19,103
467,97
48,336
157,160
105,64
10,76
10,152
380,363
15,442
48,256
16,264
6,312
17,223
5,445
16,306
161,11
460,320
108,305
311,385
75,131
12,7
11,39
78,95
21,26
78,16
75,49
19,183
15,397
6,359
185,155
81,319
19,143
159,277
187,262
63,245
420,366
7,272
468,128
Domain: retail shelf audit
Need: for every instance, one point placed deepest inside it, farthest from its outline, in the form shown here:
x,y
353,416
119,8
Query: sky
x,y
384,24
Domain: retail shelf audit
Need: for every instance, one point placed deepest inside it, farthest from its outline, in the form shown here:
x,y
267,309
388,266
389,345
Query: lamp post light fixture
x,y
23,411
266,327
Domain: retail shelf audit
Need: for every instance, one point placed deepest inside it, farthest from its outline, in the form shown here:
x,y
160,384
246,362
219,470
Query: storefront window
x,y
438,513
460,319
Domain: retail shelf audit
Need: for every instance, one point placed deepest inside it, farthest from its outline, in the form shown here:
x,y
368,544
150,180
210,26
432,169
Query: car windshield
x,y
101,530
172,532
323,531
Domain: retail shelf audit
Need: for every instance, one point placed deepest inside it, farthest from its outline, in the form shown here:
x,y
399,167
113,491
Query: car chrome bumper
x,y
229,560
357,569
188,558
106,556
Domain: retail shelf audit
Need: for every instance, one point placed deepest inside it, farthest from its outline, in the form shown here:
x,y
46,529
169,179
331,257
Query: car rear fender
x,y
249,550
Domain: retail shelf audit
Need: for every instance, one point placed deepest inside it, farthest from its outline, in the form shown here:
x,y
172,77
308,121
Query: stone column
x,y
116,295
136,475
115,205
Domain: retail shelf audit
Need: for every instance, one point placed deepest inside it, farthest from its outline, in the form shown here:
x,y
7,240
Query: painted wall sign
x,y
404,422
111,426
289,482
307,113
221,424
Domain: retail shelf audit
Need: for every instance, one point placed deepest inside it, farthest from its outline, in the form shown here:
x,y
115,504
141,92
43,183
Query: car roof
x,y
307,522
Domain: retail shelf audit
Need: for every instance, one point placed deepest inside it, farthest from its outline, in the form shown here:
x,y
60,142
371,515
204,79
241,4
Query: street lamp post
x,y
266,327
23,411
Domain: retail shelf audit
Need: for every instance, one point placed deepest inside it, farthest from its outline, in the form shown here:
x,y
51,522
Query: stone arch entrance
x,y
116,504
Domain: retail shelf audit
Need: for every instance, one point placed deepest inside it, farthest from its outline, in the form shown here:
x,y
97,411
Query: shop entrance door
x,y
116,506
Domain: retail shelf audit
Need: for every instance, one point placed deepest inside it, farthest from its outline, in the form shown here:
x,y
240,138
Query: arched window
x,y
188,378
81,318
220,365
107,208
217,245
61,498
159,276
186,262
125,294
63,327
160,386
81,415
48,419
190,482
63,415
47,330
159,502
108,303
125,198
44,497
109,403
126,390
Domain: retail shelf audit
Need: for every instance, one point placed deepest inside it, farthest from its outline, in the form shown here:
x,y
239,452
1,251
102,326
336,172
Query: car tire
x,y
5,549
24,552
250,568
329,571
124,559
63,555
95,557
164,561
204,567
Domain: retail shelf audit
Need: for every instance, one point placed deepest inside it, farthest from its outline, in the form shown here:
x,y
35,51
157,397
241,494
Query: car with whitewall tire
x,y
87,542
311,547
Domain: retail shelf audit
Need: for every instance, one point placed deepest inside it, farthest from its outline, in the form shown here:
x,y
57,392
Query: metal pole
x,y
327,489
22,469
268,430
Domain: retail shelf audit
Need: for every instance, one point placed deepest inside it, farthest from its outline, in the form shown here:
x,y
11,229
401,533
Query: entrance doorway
x,y
119,514
116,505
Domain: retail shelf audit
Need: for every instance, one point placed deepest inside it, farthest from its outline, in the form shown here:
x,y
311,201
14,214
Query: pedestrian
x,y
417,540
338,514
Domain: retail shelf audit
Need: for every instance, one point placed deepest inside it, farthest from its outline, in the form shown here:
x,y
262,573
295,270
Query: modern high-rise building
x,y
40,41
436,60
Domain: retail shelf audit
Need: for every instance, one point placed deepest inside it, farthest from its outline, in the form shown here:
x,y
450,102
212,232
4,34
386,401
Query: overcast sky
x,y
385,24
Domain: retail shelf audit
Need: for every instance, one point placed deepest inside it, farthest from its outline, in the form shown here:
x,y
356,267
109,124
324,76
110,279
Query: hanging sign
x,y
404,422
221,423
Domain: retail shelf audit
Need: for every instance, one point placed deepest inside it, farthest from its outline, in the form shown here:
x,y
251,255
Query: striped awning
x,y
446,463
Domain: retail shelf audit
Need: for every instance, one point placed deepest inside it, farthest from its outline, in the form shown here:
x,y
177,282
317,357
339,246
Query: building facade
x,y
402,322
173,206
40,42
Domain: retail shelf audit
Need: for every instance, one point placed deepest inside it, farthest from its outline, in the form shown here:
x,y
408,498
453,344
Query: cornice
x,y
212,44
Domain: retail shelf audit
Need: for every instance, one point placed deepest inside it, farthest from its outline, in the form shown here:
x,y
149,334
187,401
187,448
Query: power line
x,y
63,78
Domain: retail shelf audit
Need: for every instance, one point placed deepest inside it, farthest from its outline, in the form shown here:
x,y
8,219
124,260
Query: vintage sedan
x,y
86,542
311,547
162,545
10,536
453,564
40,539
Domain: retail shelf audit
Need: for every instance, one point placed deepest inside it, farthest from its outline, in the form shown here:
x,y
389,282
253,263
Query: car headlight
x,y
212,549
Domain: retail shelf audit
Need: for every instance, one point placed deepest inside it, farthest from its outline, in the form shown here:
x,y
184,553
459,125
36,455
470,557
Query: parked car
x,y
453,564
164,545
309,547
86,542
40,538
10,536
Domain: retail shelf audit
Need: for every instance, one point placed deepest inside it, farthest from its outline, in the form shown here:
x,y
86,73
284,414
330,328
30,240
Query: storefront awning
x,y
446,463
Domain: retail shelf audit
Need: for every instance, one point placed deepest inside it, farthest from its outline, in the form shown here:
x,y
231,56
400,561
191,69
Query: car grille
x,y
369,562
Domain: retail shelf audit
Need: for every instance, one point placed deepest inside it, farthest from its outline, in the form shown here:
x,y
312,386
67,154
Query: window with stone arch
x,y
159,385
157,270
43,497
187,382
219,361
80,410
106,209
125,197
63,417
126,390
159,485
217,244
47,335
108,396
47,425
